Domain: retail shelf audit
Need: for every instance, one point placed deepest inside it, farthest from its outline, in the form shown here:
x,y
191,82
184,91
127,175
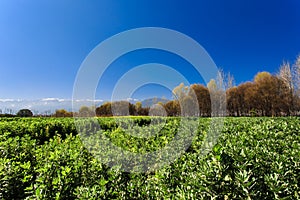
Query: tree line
x,y
267,95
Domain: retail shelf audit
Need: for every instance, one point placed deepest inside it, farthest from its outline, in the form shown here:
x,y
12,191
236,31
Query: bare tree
x,y
180,91
296,76
285,74
217,95
224,80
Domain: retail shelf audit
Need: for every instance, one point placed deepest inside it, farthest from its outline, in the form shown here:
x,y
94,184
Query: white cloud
x,y
55,99
132,99
88,100
98,100
7,100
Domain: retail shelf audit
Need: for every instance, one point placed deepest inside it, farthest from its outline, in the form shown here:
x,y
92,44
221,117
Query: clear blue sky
x,y
43,43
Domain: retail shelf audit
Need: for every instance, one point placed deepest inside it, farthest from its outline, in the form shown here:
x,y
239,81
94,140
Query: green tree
x,y
24,113
138,107
104,109
86,111
62,113
120,108
157,110
172,108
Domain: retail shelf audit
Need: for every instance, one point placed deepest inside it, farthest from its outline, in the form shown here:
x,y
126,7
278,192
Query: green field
x,y
254,158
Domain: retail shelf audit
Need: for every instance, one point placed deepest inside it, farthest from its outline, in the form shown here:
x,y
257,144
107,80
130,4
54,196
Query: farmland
x,y
254,158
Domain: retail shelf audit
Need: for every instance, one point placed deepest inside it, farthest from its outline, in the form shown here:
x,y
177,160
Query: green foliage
x,y
255,158
24,113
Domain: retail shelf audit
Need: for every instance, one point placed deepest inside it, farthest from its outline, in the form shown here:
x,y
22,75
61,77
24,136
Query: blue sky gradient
x,y
43,43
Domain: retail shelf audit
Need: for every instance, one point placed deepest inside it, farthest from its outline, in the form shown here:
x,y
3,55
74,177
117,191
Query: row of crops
x,y
45,158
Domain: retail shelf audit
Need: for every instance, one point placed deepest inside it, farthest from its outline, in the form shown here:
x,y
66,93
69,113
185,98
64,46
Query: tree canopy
x,y
24,113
